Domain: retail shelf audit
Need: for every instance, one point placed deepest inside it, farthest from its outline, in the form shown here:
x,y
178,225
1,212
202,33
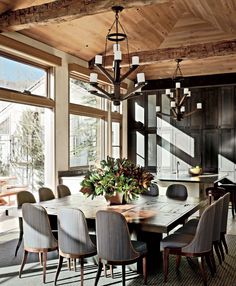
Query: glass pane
x,y
85,140
115,139
140,147
22,77
152,156
139,113
79,94
23,144
152,110
115,152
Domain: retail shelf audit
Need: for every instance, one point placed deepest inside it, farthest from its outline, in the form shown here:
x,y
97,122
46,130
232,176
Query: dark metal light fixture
x,y
116,78
178,97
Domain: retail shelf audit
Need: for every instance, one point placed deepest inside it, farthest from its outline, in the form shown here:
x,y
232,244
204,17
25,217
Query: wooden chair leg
x,y
209,264
20,235
215,244
105,269
212,258
69,263
177,261
224,242
166,263
58,269
23,262
74,262
123,275
202,268
111,271
98,273
221,250
145,270
44,266
81,271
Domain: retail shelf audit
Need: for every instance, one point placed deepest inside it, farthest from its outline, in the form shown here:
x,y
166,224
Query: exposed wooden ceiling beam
x,y
199,51
63,10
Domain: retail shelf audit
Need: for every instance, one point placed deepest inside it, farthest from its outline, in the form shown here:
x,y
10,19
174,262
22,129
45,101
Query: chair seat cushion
x,y
139,246
176,240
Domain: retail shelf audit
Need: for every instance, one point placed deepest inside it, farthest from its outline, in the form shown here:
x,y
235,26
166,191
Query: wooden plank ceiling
x,y
202,32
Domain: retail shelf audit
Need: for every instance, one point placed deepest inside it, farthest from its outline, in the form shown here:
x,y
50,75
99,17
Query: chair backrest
x,y
63,191
113,238
73,237
224,219
24,197
216,192
45,194
177,191
37,230
153,190
202,241
217,219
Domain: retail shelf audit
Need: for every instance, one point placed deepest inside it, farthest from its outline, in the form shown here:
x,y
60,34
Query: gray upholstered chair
x,y
74,240
177,192
21,198
63,191
114,245
224,219
189,245
45,194
38,237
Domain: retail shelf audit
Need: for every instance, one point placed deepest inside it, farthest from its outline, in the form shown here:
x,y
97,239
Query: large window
x,y
22,77
26,128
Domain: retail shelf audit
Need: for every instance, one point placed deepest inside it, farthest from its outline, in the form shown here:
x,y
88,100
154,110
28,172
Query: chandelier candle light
x,y
116,79
177,97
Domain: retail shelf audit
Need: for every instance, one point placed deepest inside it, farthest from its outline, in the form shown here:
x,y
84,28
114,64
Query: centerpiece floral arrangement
x,y
116,176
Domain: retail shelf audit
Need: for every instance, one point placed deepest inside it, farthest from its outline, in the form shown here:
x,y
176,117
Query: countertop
x,y
204,178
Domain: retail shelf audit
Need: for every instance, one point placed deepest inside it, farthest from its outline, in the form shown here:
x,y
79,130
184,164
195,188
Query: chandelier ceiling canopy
x,y
178,97
116,35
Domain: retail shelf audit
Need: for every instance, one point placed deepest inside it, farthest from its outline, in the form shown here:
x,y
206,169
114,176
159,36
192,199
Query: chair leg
x,y
123,275
98,273
105,269
41,258
165,263
69,263
23,262
111,271
216,247
221,250
222,237
212,258
209,263
178,259
81,271
44,266
58,268
74,262
202,268
20,235
145,270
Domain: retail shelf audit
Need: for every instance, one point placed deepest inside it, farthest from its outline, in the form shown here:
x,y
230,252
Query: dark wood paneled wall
x,y
213,128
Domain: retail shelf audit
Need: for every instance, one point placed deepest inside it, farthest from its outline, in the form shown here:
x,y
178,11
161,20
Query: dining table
x,y
148,217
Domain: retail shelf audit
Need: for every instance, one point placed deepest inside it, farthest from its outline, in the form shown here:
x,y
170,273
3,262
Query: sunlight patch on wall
x,y
140,147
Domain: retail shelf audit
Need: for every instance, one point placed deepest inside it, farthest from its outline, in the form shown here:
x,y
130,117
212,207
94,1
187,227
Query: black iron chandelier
x,y
178,97
115,77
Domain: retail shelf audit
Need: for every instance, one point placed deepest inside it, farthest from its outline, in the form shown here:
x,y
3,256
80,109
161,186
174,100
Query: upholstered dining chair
x,y
38,236
74,240
21,198
63,191
45,194
177,192
114,245
189,245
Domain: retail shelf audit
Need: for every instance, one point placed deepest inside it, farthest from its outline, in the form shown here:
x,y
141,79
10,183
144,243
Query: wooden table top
x,y
152,214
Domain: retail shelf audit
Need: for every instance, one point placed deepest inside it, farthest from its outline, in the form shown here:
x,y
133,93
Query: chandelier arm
x,y
99,94
182,100
174,112
131,95
135,89
105,72
133,68
191,112
165,114
106,94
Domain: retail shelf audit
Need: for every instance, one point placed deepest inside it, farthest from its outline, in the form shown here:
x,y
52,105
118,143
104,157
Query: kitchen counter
x,y
196,185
